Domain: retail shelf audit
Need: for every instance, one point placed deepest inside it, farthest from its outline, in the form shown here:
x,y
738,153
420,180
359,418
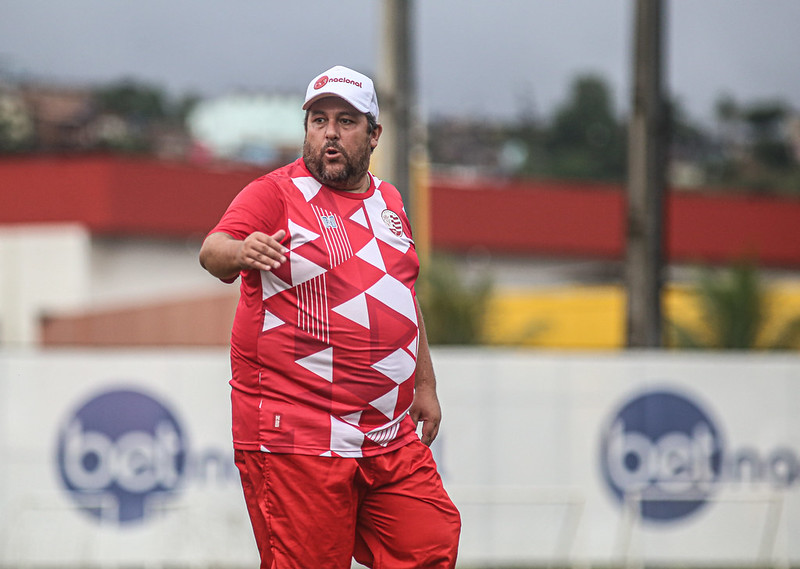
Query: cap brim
x,y
316,98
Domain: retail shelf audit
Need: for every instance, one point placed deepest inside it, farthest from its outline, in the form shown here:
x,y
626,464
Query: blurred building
x,y
252,128
63,117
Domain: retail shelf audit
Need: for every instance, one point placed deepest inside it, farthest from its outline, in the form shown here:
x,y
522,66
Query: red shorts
x,y
388,511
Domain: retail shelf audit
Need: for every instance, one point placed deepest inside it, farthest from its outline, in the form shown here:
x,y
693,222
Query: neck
x,y
359,188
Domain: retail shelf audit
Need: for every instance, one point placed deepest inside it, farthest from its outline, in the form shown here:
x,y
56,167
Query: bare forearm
x,y
425,408
219,255
425,377
224,256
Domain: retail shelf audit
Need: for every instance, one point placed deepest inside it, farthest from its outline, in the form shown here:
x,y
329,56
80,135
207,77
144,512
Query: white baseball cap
x,y
352,86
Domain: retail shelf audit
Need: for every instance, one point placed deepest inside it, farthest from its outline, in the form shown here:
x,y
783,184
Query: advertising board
x,y
124,458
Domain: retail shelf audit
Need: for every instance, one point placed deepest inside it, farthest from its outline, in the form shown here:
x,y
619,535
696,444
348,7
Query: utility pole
x,y
396,94
402,153
647,142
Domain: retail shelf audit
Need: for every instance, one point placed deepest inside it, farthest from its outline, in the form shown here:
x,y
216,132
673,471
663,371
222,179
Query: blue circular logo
x,y
121,456
663,450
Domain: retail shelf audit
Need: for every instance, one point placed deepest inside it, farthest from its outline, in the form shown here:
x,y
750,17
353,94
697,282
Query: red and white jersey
x,y
324,348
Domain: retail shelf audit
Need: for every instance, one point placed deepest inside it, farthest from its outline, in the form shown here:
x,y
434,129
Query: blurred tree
x,y
133,100
585,140
686,136
134,114
770,147
180,110
726,109
454,307
751,147
729,138
755,149
734,308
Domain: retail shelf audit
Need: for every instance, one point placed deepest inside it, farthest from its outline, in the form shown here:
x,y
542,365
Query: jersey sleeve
x,y
260,206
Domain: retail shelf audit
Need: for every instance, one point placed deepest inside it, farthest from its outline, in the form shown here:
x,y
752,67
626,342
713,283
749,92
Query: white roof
x,y
227,124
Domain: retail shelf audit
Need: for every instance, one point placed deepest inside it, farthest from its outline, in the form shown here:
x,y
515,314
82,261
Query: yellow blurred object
x,y
593,317
564,317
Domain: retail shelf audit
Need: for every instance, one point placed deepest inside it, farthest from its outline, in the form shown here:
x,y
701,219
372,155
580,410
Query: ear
x,y
374,136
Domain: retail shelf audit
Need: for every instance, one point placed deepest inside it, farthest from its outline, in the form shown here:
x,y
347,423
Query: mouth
x,y
332,152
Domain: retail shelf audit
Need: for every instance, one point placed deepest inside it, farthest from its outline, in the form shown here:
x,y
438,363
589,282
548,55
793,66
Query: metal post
x,y
647,140
396,93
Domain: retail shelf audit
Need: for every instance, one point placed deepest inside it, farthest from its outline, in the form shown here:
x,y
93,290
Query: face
x,y
338,145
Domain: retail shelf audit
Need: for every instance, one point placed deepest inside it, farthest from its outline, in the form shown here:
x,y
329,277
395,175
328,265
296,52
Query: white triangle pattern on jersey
x,y
346,440
300,235
412,347
302,269
387,402
308,186
355,309
395,295
270,321
397,366
352,418
272,285
319,363
359,217
371,253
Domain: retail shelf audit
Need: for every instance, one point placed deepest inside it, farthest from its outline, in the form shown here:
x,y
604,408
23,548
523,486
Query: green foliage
x,y
585,140
751,147
734,309
454,306
757,152
131,99
137,112
143,103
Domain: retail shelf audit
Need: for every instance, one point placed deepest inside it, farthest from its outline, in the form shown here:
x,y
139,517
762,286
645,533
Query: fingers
x,y
429,431
430,427
263,252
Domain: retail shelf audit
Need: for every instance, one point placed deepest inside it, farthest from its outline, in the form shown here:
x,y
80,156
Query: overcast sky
x,y
490,57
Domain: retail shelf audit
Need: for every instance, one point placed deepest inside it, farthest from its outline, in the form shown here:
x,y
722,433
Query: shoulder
x,y
281,179
274,178
390,198
274,184
388,191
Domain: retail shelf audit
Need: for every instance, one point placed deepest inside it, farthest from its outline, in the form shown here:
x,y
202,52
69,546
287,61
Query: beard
x,y
346,173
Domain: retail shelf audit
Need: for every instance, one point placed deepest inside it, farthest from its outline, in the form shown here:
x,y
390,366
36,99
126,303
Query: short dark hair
x,y
372,122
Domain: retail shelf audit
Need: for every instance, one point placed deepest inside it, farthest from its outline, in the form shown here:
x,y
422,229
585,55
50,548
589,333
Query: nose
x,y
332,130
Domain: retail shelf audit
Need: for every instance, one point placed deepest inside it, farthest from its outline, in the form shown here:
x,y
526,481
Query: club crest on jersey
x,y
392,221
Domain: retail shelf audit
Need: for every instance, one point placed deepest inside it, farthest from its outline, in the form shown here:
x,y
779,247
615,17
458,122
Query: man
x,y
330,362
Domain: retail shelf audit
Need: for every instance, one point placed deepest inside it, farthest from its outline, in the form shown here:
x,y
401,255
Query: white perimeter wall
x,y
531,447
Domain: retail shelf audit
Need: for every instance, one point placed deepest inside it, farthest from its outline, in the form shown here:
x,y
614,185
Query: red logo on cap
x,y
321,82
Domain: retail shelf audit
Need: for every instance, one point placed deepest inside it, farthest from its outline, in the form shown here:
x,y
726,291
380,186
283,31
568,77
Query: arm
x,y
425,407
224,256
